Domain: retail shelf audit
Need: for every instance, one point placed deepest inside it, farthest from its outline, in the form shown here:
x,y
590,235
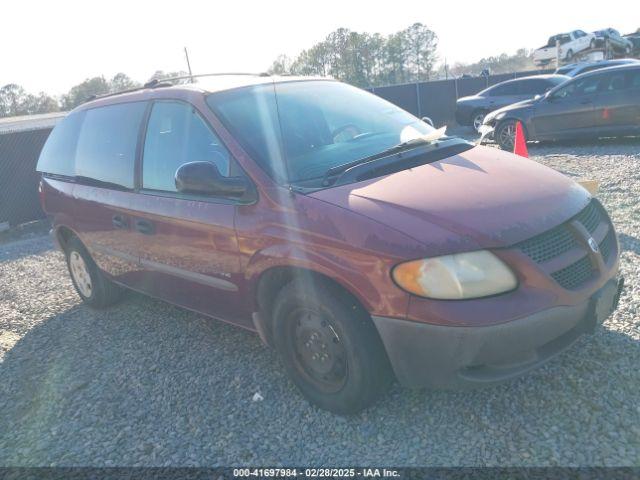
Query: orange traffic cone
x,y
520,143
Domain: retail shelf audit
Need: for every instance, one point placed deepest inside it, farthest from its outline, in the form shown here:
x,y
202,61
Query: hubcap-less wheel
x,y
80,273
477,121
319,353
507,135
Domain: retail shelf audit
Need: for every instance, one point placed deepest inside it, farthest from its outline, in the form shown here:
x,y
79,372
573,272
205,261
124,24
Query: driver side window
x,y
583,86
176,134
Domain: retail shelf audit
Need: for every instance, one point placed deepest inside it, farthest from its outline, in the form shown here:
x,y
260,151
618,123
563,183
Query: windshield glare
x,y
298,130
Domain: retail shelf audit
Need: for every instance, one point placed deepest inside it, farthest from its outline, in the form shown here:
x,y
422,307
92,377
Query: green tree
x,y
280,66
121,81
14,100
522,60
83,91
420,50
366,59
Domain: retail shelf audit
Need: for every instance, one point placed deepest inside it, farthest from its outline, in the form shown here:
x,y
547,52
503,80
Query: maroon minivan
x,y
358,240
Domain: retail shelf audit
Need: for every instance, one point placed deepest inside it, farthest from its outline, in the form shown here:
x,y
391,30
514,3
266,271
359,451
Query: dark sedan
x,y
471,110
602,103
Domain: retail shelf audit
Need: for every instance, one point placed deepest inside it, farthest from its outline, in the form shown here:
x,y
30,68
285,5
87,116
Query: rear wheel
x,y
592,44
505,134
329,346
93,287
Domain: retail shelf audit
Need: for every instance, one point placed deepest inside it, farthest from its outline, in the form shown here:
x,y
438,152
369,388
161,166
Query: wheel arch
x,y
63,234
273,279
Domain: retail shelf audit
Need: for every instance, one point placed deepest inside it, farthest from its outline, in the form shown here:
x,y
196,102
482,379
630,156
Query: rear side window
x,y
613,82
59,152
107,144
176,134
510,88
533,87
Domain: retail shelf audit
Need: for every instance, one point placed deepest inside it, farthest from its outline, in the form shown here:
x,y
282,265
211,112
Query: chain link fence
x,y
437,99
19,151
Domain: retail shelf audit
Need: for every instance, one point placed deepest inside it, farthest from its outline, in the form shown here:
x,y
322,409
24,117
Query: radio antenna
x,y
186,54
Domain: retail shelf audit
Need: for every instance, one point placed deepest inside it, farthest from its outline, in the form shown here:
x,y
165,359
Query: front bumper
x,y
454,357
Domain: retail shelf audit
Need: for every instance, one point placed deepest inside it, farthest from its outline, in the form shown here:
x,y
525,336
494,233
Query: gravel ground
x,y
145,383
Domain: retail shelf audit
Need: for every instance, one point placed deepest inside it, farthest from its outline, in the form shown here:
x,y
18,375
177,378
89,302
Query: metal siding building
x,y
21,139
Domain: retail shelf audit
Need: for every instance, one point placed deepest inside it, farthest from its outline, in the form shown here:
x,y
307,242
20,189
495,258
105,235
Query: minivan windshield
x,y
299,130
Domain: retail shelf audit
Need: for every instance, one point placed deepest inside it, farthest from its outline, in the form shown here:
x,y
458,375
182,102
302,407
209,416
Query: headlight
x,y
458,276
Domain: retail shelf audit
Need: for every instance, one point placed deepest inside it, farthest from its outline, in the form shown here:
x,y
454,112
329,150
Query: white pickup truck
x,y
570,44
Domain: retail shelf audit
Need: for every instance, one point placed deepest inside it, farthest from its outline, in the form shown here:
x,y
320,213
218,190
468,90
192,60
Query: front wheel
x,y
569,55
477,118
592,44
329,346
505,134
93,287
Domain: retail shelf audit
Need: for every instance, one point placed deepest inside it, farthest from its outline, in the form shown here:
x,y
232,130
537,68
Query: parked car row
x,y
600,103
471,110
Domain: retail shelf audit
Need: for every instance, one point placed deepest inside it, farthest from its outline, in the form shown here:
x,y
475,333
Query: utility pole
x,y
186,54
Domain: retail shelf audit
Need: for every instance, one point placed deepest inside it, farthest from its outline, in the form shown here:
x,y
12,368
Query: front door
x,y
187,244
567,112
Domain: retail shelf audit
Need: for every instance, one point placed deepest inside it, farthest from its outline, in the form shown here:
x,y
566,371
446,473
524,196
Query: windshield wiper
x,y
396,149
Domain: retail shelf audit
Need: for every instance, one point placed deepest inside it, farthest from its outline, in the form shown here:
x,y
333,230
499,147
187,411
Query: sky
x,y
52,45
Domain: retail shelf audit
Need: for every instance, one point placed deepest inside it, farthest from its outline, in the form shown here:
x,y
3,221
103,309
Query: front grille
x,y
590,217
560,240
548,245
574,275
606,245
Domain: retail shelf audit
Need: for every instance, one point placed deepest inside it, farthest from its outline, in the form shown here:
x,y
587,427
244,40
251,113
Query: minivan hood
x,y
481,198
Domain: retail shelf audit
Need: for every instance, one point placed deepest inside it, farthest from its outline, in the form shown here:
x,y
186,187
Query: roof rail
x,y
191,77
167,82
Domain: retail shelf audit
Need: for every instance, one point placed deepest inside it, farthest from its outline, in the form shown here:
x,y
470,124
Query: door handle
x,y
145,227
119,221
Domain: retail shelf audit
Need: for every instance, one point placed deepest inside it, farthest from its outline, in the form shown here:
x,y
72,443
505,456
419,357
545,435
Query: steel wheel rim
x,y
477,121
318,352
507,135
80,274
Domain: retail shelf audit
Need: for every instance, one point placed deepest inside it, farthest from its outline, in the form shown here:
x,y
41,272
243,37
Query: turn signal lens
x,y
454,277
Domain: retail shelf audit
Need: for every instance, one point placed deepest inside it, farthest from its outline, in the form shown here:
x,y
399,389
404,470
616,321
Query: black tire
x,y
102,292
357,370
569,55
592,44
504,134
477,113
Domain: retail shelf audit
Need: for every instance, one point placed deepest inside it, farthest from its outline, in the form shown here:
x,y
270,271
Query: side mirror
x,y
428,120
203,178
